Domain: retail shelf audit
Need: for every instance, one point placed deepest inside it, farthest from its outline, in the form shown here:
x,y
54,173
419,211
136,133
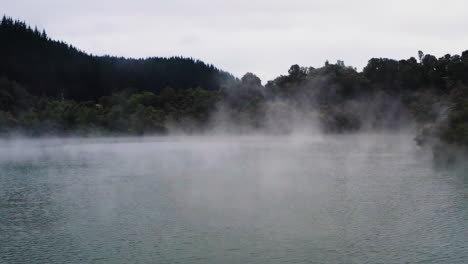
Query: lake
x,y
364,198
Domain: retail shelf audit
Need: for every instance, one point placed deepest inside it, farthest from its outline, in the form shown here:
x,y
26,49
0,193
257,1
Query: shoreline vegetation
x,y
48,87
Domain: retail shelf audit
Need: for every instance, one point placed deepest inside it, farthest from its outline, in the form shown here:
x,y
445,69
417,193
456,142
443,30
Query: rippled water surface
x,y
349,199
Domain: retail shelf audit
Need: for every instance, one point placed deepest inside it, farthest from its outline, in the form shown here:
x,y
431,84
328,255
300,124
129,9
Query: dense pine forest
x,y
48,87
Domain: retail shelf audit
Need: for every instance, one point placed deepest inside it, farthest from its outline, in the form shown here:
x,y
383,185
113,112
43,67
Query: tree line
x,y
48,86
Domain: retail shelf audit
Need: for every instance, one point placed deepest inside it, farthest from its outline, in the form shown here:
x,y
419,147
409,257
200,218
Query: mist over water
x,y
363,198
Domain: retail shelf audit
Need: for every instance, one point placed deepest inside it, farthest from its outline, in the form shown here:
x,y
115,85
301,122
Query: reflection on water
x,y
349,199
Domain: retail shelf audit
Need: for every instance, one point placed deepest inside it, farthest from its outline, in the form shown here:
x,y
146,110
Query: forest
x,y
49,87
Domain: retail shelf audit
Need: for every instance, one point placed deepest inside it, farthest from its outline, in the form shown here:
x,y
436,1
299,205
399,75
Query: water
x,y
348,199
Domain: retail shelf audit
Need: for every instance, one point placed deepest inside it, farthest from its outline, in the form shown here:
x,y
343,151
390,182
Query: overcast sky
x,y
260,36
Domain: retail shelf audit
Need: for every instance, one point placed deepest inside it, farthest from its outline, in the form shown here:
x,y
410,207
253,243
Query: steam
x,y
314,108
